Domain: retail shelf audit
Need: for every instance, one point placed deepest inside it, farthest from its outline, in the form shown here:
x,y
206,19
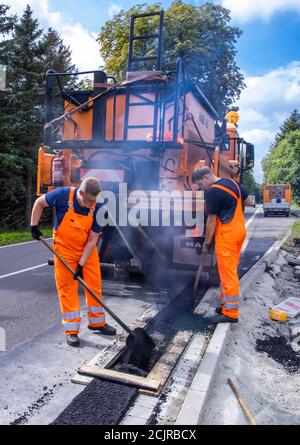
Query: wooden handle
x,y
114,316
198,274
121,377
246,410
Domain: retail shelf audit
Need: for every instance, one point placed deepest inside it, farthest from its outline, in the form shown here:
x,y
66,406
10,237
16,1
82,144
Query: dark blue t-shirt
x,y
221,203
59,199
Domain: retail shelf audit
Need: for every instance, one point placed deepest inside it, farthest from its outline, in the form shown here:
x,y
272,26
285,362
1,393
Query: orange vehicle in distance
x,y
277,199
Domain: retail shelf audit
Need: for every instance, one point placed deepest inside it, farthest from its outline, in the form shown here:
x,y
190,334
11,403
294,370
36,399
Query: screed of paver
x,y
268,378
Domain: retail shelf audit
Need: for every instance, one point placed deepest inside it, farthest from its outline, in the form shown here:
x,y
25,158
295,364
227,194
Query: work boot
x,y
73,340
223,319
105,330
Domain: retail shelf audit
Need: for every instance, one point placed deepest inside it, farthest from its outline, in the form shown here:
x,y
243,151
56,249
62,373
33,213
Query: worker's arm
x,y
89,247
210,229
36,214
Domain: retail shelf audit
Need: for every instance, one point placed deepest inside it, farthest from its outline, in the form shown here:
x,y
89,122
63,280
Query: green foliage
x,y
282,164
252,187
28,54
292,123
6,22
85,84
17,236
202,36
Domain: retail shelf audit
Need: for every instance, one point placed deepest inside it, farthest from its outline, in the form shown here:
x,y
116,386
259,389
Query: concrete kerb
x,y
192,408
294,213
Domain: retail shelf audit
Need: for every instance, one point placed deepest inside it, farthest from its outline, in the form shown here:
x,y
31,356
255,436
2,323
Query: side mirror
x,y
249,156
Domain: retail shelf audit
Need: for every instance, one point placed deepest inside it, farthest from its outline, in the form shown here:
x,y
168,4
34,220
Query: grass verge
x,y
296,230
295,233
295,206
18,236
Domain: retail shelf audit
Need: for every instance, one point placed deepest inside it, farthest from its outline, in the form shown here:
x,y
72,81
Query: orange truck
x,y
277,199
149,132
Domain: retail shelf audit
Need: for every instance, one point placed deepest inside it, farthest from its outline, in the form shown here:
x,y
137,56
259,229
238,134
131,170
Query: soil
x,y
258,356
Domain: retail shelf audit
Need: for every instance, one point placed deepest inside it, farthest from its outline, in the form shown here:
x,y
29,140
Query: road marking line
x,y
20,244
252,217
23,270
246,242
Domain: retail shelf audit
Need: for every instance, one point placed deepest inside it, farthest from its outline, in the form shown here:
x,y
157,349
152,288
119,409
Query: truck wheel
x,y
287,214
265,214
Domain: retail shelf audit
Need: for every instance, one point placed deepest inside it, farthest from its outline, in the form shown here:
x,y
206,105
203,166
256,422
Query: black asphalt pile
x,y
278,348
100,403
130,369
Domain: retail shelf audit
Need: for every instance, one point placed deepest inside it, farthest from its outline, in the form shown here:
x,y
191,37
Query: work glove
x,y
35,232
205,248
78,272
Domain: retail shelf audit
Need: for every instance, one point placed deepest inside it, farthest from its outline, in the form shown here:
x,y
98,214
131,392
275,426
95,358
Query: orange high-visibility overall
x,y
69,241
229,239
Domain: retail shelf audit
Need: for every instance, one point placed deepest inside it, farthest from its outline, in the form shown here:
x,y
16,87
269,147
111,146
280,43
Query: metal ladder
x,y
132,60
157,36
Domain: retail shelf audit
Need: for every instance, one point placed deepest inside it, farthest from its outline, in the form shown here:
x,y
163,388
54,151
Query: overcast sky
x,y
268,53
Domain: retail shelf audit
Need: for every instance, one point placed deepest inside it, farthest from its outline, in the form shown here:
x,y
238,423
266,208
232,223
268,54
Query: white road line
x,y
246,242
23,270
21,244
252,217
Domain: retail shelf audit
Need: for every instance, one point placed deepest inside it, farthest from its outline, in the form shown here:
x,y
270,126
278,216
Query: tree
x,y
282,164
251,185
202,36
28,54
6,22
292,123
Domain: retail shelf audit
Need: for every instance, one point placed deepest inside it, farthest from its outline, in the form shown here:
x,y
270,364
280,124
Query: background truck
x,y
277,199
150,131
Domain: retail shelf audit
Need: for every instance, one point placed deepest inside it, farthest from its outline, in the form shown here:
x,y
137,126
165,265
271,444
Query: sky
x,y
267,53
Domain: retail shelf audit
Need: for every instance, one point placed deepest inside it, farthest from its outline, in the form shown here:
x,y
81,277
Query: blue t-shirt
x,y
59,199
221,203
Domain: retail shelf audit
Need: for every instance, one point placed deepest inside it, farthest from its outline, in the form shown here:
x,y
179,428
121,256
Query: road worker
x,y
225,221
75,236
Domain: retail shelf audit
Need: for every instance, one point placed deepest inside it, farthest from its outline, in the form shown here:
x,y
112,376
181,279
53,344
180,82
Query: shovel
x,y
139,345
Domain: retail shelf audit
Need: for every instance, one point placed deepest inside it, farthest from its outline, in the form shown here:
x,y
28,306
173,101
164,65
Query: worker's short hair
x,y
90,185
200,172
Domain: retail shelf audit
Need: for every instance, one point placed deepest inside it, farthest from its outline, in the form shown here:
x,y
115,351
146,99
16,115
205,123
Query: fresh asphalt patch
x,y
100,403
105,403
